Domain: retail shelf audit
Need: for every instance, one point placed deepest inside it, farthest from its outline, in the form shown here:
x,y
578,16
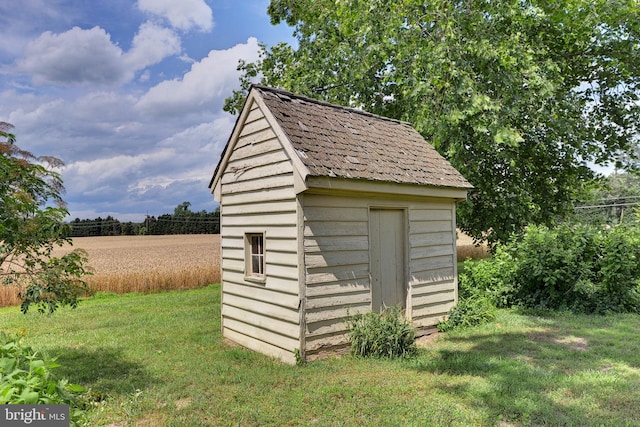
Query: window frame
x,y
250,274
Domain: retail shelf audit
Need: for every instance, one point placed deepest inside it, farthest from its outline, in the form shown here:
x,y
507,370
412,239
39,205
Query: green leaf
x,y
29,397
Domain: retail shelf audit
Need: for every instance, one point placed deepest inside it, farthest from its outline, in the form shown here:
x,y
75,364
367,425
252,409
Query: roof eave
x,y
325,183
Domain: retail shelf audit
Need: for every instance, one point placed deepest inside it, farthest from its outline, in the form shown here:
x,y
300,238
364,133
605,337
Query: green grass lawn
x,y
159,360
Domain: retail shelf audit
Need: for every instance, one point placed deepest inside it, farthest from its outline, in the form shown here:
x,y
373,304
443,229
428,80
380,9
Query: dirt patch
x,y
425,340
569,341
573,343
150,421
182,403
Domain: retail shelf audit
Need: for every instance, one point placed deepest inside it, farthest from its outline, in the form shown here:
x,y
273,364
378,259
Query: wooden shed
x,y
328,211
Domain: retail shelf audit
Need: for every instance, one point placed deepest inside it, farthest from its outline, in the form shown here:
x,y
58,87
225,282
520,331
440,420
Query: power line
x,y
93,224
194,220
608,206
619,197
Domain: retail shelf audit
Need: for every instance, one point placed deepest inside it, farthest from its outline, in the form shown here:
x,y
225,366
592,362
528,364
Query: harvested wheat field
x,y
151,263
144,264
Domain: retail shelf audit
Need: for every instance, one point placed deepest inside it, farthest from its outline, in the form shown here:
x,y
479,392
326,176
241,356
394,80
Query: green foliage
x,y
618,271
56,283
31,225
490,277
387,334
481,288
26,378
184,221
469,312
581,268
519,96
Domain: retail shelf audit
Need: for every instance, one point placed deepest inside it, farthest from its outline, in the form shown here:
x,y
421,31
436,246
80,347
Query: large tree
x,y
521,96
31,226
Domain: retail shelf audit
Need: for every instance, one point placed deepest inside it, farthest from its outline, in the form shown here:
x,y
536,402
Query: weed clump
x,y
468,312
387,334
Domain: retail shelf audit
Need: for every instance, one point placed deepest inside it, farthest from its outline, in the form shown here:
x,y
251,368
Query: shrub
x,y
550,262
387,334
469,312
481,287
618,271
26,378
491,278
584,269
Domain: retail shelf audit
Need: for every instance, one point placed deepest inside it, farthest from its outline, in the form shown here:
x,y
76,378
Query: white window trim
x,y
249,274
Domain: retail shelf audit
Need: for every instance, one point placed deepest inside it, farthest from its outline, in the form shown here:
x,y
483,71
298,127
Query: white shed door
x,y
387,246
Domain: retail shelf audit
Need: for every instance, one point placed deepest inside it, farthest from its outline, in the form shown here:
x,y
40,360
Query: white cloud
x,y
94,97
19,20
75,56
99,173
89,56
186,157
144,77
151,45
201,134
183,14
204,86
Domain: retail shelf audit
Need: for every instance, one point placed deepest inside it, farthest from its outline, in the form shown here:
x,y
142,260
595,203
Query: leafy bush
x,y
581,268
469,312
490,277
480,288
26,378
618,271
387,334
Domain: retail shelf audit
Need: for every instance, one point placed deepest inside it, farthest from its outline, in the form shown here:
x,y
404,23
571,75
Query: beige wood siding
x,y
432,262
337,274
258,197
336,253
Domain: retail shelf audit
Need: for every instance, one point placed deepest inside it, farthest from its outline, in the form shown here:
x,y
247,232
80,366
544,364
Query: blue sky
x,y
128,94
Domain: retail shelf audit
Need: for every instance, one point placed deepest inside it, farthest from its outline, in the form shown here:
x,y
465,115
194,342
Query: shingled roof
x,y
342,142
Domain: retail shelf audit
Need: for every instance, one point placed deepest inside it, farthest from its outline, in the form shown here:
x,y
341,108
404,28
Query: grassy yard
x,y
158,360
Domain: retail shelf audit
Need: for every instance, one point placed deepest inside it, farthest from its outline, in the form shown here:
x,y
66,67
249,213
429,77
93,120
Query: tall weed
x,y
387,334
469,312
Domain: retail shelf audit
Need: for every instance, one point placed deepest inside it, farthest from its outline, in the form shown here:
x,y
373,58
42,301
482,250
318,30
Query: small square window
x,y
255,256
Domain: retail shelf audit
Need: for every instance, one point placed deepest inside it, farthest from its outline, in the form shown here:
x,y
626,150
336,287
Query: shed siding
x,y
432,262
336,253
258,196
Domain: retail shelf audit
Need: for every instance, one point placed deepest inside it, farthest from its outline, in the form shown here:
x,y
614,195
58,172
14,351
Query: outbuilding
x,y
329,211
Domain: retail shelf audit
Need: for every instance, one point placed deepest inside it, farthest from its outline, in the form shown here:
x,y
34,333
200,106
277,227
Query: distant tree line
x,y
182,221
